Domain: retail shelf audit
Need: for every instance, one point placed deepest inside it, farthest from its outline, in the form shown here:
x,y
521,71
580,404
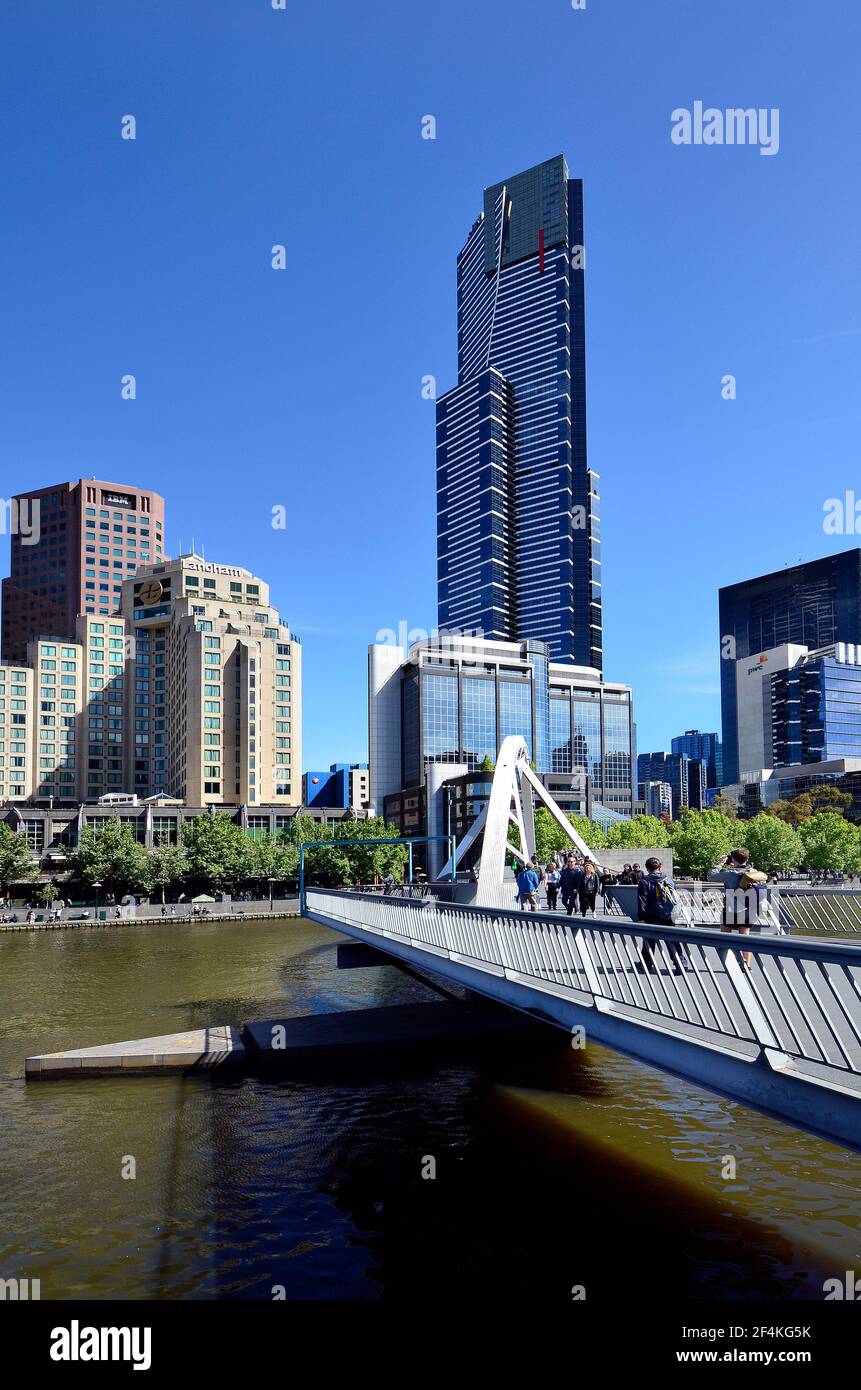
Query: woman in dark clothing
x,y
588,888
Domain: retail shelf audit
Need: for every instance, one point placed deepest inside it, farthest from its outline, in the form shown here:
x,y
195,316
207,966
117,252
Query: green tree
x,y
487,764
16,858
725,806
700,839
640,832
167,864
799,809
773,844
218,850
111,856
829,841
590,831
337,862
273,857
827,798
47,893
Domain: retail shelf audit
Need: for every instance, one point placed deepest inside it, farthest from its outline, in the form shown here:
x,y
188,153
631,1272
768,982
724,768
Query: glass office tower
x,y
814,605
517,505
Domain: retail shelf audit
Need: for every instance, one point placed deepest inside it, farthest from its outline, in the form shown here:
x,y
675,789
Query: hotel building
x,y
192,691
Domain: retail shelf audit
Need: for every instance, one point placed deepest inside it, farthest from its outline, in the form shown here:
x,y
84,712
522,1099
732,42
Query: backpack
x,y
662,899
752,878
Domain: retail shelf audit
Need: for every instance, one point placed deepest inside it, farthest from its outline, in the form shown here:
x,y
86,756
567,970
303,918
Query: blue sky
x,y
303,387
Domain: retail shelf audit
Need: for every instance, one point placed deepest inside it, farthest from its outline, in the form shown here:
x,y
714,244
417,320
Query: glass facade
x,y
440,742
460,713
478,704
816,712
515,425
515,712
813,605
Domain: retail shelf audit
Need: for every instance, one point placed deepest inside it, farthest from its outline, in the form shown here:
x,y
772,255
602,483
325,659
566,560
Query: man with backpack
x,y
657,899
738,876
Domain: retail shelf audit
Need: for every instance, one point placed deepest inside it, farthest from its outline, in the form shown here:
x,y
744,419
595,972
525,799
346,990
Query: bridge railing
x,y
797,1003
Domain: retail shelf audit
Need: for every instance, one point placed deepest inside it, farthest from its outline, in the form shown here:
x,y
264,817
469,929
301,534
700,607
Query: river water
x,y
555,1169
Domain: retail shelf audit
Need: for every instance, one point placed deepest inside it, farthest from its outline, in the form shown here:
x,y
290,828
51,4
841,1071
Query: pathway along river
x,y
555,1168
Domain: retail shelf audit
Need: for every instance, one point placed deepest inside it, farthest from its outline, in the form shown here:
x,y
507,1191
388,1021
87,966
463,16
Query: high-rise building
x,y
812,605
214,686
685,776
517,505
795,706
657,799
705,748
82,540
192,691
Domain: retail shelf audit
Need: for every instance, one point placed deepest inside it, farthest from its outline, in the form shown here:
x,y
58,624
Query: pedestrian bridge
x,y
783,1036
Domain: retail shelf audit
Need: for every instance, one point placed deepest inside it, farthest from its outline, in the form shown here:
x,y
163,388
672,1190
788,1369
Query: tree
x,y
273,857
828,798
700,840
342,863
725,806
590,831
829,841
167,864
799,809
218,850
640,832
773,844
111,856
16,858
487,764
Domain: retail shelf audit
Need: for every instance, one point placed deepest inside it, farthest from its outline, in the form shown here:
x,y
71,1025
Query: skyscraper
x,y
517,505
83,539
812,605
705,748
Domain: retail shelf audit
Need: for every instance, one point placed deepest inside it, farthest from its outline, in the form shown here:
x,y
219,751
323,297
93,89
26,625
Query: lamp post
x,y
97,885
271,882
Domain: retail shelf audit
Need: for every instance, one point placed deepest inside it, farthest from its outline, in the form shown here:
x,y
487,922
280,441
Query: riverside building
x,y
440,709
192,691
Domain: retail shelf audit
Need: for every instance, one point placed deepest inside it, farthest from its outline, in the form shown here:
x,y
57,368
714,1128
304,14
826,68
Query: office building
x,y
82,541
704,748
798,706
813,605
657,799
518,548
345,785
685,776
438,711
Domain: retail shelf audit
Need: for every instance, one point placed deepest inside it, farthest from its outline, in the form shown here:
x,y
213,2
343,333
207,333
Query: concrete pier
x,y
199,1049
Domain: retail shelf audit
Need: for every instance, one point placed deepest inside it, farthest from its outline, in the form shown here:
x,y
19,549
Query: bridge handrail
x,y
799,1002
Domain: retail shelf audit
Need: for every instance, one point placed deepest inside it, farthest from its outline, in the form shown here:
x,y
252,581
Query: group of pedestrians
x,y
577,881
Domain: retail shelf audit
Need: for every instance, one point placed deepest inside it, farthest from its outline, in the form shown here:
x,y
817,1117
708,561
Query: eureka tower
x,y
518,544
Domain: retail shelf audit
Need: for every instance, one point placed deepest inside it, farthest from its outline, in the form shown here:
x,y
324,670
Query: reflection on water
x,y
554,1167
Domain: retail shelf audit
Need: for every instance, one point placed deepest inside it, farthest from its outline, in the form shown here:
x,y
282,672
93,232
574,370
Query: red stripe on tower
x,y
541,250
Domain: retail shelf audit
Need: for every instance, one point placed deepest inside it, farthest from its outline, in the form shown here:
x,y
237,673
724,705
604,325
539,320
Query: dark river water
x,y
554,1168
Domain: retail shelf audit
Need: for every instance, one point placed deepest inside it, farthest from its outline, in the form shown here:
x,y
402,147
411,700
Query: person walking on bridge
x,y
569,883
527,888
656,902
587,888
